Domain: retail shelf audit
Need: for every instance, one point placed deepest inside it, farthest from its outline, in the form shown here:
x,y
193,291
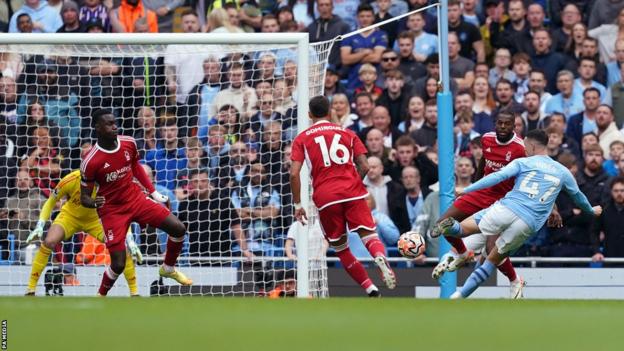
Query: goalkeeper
x,y
72,219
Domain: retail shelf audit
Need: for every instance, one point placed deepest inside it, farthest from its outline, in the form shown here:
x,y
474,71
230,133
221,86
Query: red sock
x,y
457,243
108,280
508,270
174,247
374,245
354,268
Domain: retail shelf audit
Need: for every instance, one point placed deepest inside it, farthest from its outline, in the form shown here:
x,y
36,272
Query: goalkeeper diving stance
x,y
73,218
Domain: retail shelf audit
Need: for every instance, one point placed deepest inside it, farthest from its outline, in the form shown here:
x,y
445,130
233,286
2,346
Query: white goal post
x,y
310,59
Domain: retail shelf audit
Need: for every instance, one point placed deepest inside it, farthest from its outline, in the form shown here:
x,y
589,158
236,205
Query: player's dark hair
x,y
505,114
319,106
538,135
99,113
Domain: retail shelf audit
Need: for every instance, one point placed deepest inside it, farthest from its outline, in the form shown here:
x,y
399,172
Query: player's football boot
x,y
516,288
461,260
29,292
374,293
386,272
442,266
175,275
456,296
443,227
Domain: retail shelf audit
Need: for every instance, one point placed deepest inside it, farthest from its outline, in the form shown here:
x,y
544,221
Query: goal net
x,y
213,118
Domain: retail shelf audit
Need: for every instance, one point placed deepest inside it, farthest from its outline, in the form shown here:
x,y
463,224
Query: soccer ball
x,y
411,245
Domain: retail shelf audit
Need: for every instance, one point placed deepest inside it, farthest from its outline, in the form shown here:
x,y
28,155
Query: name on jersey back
x,y
322,128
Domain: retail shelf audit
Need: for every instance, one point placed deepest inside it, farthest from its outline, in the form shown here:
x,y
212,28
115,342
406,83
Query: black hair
x,y
590,89
319,106
538,135
364,7
99,113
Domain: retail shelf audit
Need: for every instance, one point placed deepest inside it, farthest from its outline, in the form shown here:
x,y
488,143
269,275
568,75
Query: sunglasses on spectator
x,y
387,59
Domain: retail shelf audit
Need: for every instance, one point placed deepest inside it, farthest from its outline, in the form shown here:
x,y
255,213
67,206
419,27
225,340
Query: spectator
x,y
71,19
469,38
124,17
265,67
589,48
23,207
575,44
35,117
616,149
610,225
382,13
169,156
210,218
271,152
415,117
93,11
505,99
410,154
570,16
24,23
604,11
587,74
537,83
8,103
433,72
380,187
607,34
555,139
185,71
42,161
375,146
461,68
568,101
229,118
506,34
592,179
615,97
405,206
394,98
614,74
365,47
44,18
409,64
195,160
238,94
573,239
424,44
217,149
522,69
364,105
519,126
550,62
533,117
332,81
427,135
232,174
341,112
585,121
146,135
265,115
367,75
7,166
202,96
557,121
465,133
502,61
607,130
587,140
257,204
327,26
164,11
482,97
382,122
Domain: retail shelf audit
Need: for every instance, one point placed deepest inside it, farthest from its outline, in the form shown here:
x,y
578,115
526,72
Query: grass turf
x,y
148,324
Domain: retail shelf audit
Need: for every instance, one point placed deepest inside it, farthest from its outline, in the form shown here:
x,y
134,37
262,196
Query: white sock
x,y
167,268
371,288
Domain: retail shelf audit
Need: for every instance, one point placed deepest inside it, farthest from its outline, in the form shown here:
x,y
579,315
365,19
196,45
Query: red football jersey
x,y
497,155
329,151
112,170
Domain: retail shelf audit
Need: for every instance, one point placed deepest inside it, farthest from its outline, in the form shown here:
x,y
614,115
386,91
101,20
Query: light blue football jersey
x,y
539,179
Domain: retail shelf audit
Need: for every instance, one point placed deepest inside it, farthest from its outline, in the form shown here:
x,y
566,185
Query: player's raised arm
x,y
571,187
509,171
46,211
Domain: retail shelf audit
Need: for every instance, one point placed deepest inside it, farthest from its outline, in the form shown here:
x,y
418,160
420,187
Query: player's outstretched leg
x,y
40,261
176,230
112,272
377,249
453,231
516,283
353,267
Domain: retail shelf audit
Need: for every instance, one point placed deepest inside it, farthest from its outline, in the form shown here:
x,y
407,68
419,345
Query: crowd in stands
x,y
215,130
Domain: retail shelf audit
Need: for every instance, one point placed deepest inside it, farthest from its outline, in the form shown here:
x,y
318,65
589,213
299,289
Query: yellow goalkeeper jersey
x,y
69,188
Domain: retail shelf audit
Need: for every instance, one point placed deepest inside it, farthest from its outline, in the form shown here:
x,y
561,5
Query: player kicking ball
x,y
112,164
339,194
72,219
499,148
523,211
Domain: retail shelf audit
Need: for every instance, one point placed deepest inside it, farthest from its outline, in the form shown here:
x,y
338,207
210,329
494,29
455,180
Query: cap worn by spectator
x,y
95,23
332,68
69,5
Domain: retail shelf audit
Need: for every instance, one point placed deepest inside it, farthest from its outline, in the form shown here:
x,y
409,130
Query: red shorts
x,y
341,218
117,218
474,202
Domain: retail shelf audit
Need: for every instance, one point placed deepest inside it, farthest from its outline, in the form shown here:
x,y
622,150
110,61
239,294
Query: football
x,y
411,244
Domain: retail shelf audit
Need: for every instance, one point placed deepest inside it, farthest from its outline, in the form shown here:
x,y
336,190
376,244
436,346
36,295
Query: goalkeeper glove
x,y
134,248
36,233
159,197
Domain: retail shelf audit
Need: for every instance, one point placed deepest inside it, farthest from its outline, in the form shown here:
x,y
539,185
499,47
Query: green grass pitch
x,y
148,324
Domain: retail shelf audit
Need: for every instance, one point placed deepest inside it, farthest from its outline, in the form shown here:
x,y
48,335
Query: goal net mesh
x,y
226,112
